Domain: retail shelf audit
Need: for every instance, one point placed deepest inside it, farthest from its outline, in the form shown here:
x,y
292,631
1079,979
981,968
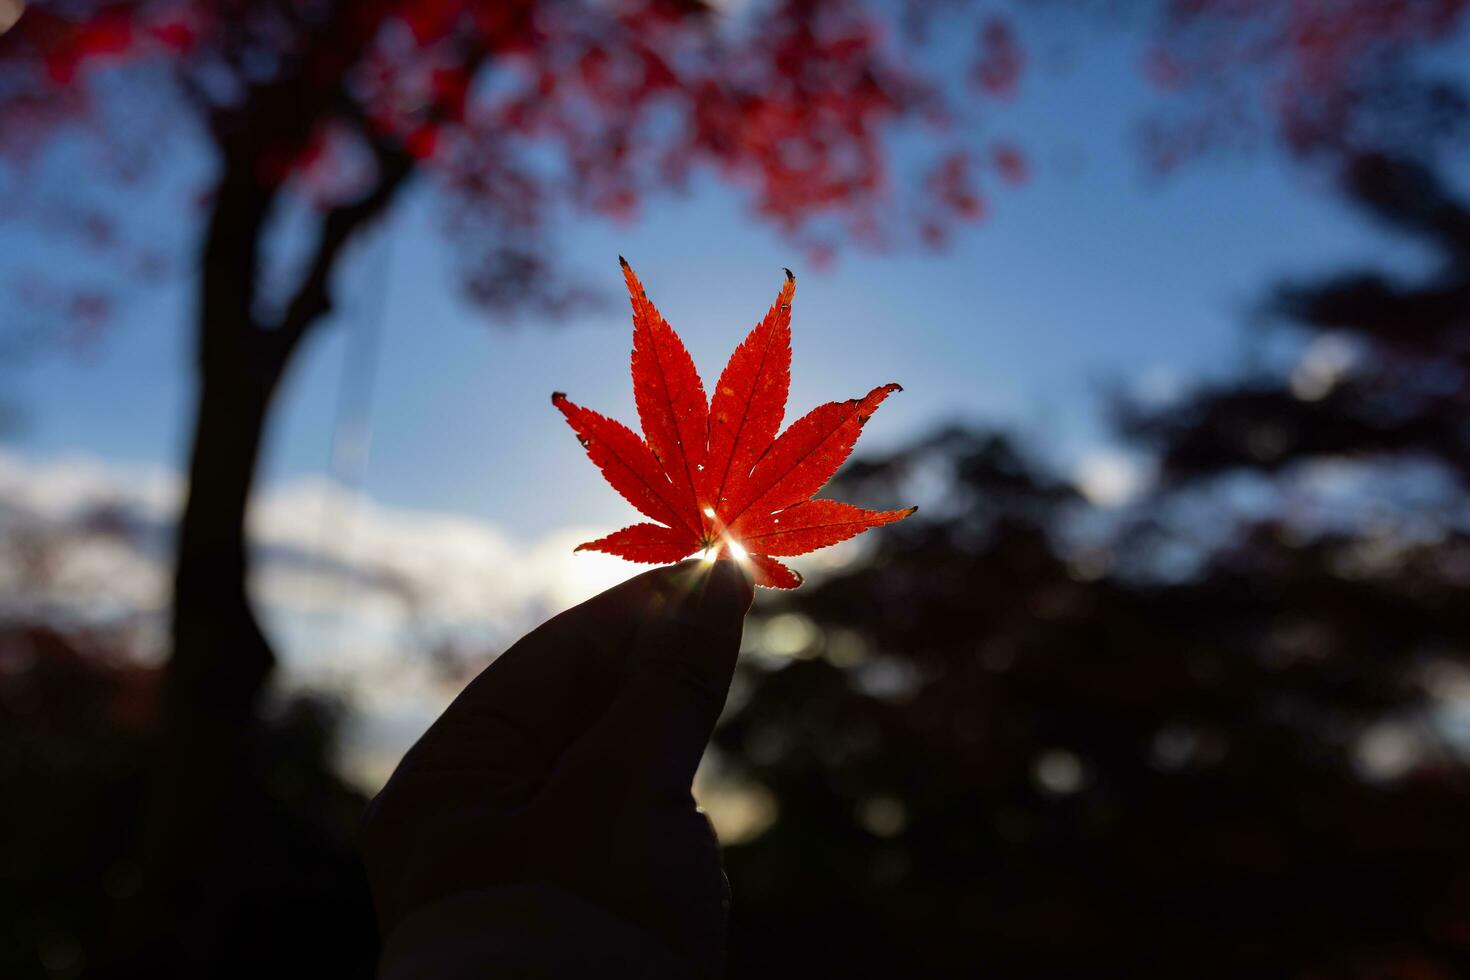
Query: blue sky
x,y
1093,272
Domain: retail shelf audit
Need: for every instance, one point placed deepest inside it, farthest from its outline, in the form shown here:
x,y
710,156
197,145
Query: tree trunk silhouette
x,y
198,837
200,820
221,658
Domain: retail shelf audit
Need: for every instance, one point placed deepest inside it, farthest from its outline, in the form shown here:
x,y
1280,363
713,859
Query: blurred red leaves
x,y
596,105
1010,163
110,33
1331,79
999,60
522,111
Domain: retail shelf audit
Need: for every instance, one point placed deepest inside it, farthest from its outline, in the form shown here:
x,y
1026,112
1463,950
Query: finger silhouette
x,y
616,823
679,669
511,723
494,746
550,763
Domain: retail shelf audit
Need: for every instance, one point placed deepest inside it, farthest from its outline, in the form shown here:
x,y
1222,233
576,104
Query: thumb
x,y
616,823
680,663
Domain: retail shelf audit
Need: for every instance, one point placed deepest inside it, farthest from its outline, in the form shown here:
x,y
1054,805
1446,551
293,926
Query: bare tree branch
x,y
313,298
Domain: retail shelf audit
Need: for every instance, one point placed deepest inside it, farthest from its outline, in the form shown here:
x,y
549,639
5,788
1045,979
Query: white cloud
x,y
354,594
319,549
69,488
359,599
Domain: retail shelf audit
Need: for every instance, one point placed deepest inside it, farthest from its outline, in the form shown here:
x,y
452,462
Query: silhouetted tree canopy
x,y
1383,375
1214,733
1004,744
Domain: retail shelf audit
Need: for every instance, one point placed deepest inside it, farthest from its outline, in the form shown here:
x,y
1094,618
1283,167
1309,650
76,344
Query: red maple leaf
x,y
713,472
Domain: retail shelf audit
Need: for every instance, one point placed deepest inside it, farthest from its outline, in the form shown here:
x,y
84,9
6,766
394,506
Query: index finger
x,y
509,725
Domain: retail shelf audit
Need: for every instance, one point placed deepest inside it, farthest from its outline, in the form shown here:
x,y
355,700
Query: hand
x,y
569,761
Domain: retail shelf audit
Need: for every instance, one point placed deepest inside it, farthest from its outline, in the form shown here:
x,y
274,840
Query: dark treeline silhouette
x,y
1204,741
78,725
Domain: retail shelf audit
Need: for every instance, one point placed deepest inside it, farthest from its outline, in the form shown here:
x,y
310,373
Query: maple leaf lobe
x,y
774,574
650,544
714,473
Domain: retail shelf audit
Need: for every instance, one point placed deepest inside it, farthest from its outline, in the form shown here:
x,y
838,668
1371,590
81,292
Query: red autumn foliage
x,y
1010,163
1324,80
714,472
999,62
594,105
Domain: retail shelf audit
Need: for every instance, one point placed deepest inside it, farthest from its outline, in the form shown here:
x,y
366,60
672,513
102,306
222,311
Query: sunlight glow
x,y
737,549
709,512
10,11
708,557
